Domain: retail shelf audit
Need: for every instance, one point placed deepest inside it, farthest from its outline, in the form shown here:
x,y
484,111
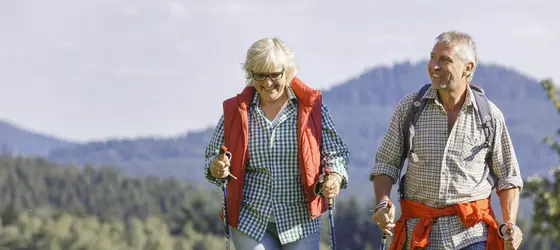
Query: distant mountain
x,y
191,144
16,140
181,156
361,108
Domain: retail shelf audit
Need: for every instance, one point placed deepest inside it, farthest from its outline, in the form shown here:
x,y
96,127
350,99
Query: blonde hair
x,y
269,54
465,47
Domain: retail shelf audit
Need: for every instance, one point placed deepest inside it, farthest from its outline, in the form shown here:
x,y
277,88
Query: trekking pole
x,y
318,190
331,219
383,240
223,150
384,237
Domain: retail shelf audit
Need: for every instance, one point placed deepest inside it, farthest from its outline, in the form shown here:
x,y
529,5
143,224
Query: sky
x,y
93,70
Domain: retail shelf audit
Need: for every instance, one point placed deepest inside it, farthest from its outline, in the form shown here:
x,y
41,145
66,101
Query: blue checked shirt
x,y
273,189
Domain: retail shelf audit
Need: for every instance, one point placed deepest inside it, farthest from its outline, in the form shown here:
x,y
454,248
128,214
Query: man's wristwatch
x,y
507,224
383,203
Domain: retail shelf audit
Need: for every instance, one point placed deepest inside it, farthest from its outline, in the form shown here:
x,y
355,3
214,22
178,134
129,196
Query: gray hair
x,y
465,47
269,54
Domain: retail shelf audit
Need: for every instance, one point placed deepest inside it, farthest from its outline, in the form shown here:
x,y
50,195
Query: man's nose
x,y
436,65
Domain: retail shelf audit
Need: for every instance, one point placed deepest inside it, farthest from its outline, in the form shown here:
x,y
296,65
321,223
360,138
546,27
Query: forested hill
x,y
46,204
51,206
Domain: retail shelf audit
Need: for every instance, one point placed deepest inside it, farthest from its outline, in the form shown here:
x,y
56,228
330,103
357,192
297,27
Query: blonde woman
x,y
283,143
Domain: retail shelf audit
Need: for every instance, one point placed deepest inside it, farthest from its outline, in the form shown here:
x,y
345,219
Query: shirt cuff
x,y
342,172
384,169
510,182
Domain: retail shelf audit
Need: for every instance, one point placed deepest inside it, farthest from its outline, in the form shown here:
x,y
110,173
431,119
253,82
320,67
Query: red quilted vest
x,y
236,130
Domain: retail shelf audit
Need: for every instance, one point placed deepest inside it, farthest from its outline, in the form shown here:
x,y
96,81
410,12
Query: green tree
x,y
546,191
51,206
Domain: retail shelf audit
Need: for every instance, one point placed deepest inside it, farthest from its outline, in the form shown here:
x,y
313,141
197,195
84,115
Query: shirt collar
x,y
291,96
469,101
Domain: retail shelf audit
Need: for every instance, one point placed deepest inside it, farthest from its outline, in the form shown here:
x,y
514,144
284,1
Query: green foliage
x,y
45,229
352,215
64,207
48,206
546,192
102,209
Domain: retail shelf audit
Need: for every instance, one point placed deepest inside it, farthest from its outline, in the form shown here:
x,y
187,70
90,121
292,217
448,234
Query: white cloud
x,y
177,9
533,33
179,52
184,47
131,11
69,45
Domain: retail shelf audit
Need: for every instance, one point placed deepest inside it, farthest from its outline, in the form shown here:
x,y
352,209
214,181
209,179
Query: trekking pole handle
x,y
224,150
384,237
331,203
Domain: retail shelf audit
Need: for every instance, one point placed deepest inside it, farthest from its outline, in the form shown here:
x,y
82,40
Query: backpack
x,y
414,113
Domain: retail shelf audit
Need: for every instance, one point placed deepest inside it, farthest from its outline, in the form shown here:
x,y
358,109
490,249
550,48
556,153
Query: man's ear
x,y
469,67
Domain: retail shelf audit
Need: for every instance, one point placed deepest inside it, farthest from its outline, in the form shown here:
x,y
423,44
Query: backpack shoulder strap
x,y
488,124
484,113
410,120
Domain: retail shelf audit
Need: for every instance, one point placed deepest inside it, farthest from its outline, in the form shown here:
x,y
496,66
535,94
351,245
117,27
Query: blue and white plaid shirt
x,y
273,189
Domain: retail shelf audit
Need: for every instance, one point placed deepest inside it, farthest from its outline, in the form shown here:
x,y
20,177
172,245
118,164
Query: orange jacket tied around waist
x,y
236,138
470,214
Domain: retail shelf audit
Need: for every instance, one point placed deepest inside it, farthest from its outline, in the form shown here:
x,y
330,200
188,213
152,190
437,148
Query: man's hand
x,y
509,201
219,168
512,236
331,185
384,217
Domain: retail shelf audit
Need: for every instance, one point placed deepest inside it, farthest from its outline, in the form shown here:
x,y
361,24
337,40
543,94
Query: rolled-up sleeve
x,y
388,156
334,152
504,161
213,150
